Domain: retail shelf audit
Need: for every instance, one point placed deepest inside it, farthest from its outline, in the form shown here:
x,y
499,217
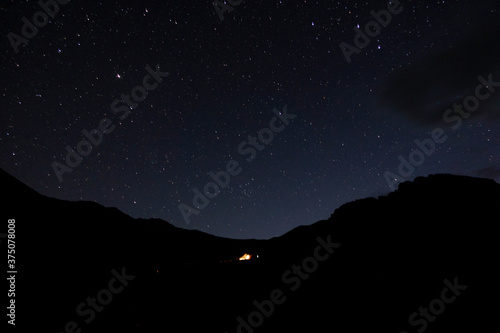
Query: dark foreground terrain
x,y
423,258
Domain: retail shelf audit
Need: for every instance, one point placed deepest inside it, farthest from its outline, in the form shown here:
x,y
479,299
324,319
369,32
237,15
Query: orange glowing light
x,y
246,256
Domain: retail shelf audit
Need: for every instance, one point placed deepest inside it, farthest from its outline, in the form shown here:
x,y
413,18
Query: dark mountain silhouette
x,y
394,255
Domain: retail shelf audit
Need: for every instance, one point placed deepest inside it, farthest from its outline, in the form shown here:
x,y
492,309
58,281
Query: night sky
x,y
340,126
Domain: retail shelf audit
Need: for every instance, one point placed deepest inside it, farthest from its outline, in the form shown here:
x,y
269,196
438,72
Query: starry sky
x,y
227,80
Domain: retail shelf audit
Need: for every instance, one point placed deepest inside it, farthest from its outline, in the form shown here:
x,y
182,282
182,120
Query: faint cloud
x,y
491,172
423,90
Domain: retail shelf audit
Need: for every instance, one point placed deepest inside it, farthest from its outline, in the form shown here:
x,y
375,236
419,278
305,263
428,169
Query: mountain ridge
x,y
405,244
441,179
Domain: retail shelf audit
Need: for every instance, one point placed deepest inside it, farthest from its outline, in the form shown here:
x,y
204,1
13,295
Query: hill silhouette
x,y
370,266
